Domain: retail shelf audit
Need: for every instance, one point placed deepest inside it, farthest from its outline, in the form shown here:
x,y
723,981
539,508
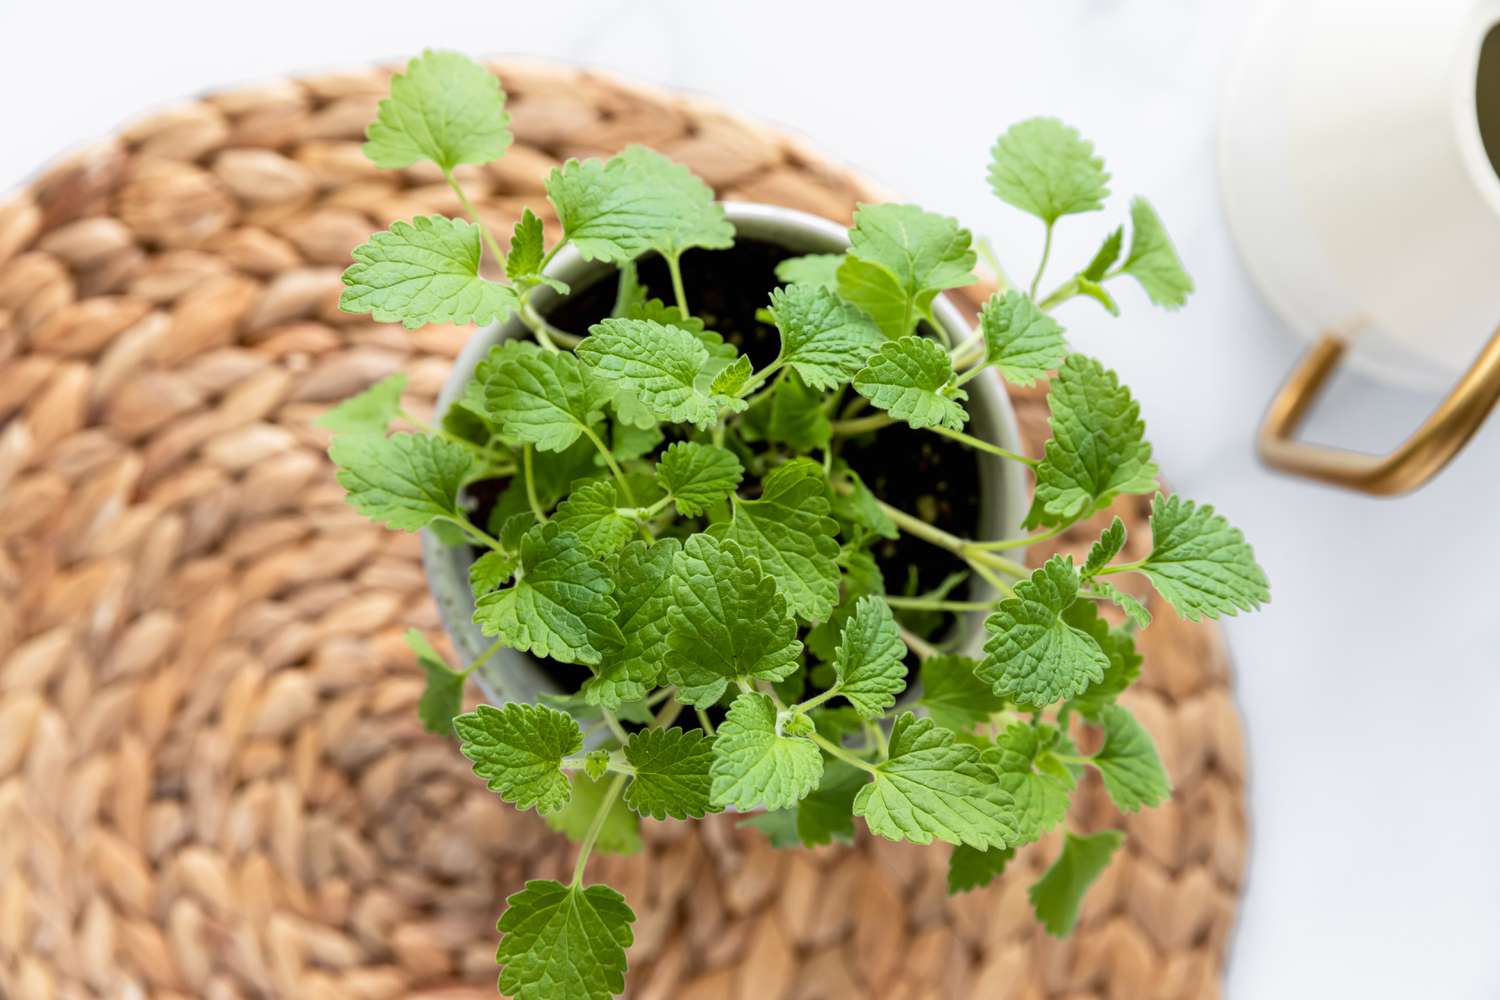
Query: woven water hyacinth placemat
x,y
212,778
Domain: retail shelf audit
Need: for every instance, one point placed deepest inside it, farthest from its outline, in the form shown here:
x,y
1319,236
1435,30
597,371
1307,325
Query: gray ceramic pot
x,y
513,676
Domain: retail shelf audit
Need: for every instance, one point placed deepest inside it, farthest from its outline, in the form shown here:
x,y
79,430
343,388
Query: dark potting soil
x,y
917,471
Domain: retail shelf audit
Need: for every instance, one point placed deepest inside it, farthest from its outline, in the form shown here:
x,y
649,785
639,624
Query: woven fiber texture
x,y
213,782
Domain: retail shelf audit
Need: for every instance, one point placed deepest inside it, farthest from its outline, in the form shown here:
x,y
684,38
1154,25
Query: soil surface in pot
x,y
916,471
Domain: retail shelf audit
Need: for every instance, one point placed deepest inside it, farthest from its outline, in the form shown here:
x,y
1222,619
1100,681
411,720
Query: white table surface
x,y
1369,686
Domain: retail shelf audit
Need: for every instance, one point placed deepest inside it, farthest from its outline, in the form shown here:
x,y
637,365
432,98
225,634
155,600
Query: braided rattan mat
x,y
212,779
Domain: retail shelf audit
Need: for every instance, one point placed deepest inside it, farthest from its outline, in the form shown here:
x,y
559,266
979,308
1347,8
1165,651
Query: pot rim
x,y
510,675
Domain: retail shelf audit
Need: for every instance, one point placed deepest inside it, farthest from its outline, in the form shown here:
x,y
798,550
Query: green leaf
x,y
1200,563
1098,449
779,826
561,942
1134,609
424,271
657,311
1129,764
870,663
697,476
369,412
489,571
523,264
789,531
518,750
732,377
596,764
443,696
1057,895
798,418
860,507
932,786
643,591
876,291
445,108
561,604
1020,340
970,868
671,773
924,251
657,365
690,215
1034,657
591,512
1045,168
1105,549
1041,797
542,398
912,379
1153,260
755,764
1124,662
1104,258
727,622
954,695
405,481
621,829
823,338
826,814
821,269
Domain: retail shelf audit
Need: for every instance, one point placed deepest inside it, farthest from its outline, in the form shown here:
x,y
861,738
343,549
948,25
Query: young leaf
x,y
823,339
1097,450
424,271
697,476
798,418
489,571
445,108
523,264
443,696
596,764
1153,260
954,695
732,377
370,412
1134,609
540,398
727,622
405,481
518,750
876,291
820,269
656,364
755,764
1034,657
564,942
643,591
789,531
620,832
1129,764
969,868
561,605
1020,340
1045,168
1041,798
1105,549
1105,256
869,662
1200,563
591,512
925,252
671,773
1057,895
934,787
912,379
1124,662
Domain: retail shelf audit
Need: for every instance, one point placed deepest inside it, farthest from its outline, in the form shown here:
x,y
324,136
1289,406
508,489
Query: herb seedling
x,y
681,521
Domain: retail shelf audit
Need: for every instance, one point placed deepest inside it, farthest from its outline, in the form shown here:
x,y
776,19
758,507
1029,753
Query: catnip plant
x,y
682,524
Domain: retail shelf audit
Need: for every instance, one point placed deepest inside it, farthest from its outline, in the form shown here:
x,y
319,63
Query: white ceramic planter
x,y
513,676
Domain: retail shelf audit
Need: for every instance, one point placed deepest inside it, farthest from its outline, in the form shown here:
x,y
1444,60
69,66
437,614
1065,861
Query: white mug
x,y
1360,194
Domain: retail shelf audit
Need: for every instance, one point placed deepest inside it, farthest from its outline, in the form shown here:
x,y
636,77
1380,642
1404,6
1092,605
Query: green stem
x,y
1002,281
659,697
615,727
538,326
981,445
875,733
704,721
933,604
964,549
816,700
1059,295
614,467
924,649
531,497
755,381
1022,541
674,267
1122,568
483,657
475,532
993,579
1042,264
667,715
834,750
595,826
861,425
504,462
473,215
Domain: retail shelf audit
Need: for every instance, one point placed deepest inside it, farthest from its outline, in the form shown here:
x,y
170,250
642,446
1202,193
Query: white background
x,y
1371,685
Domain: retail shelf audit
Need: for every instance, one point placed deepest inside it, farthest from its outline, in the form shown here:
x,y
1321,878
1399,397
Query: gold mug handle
x,y
1419,457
